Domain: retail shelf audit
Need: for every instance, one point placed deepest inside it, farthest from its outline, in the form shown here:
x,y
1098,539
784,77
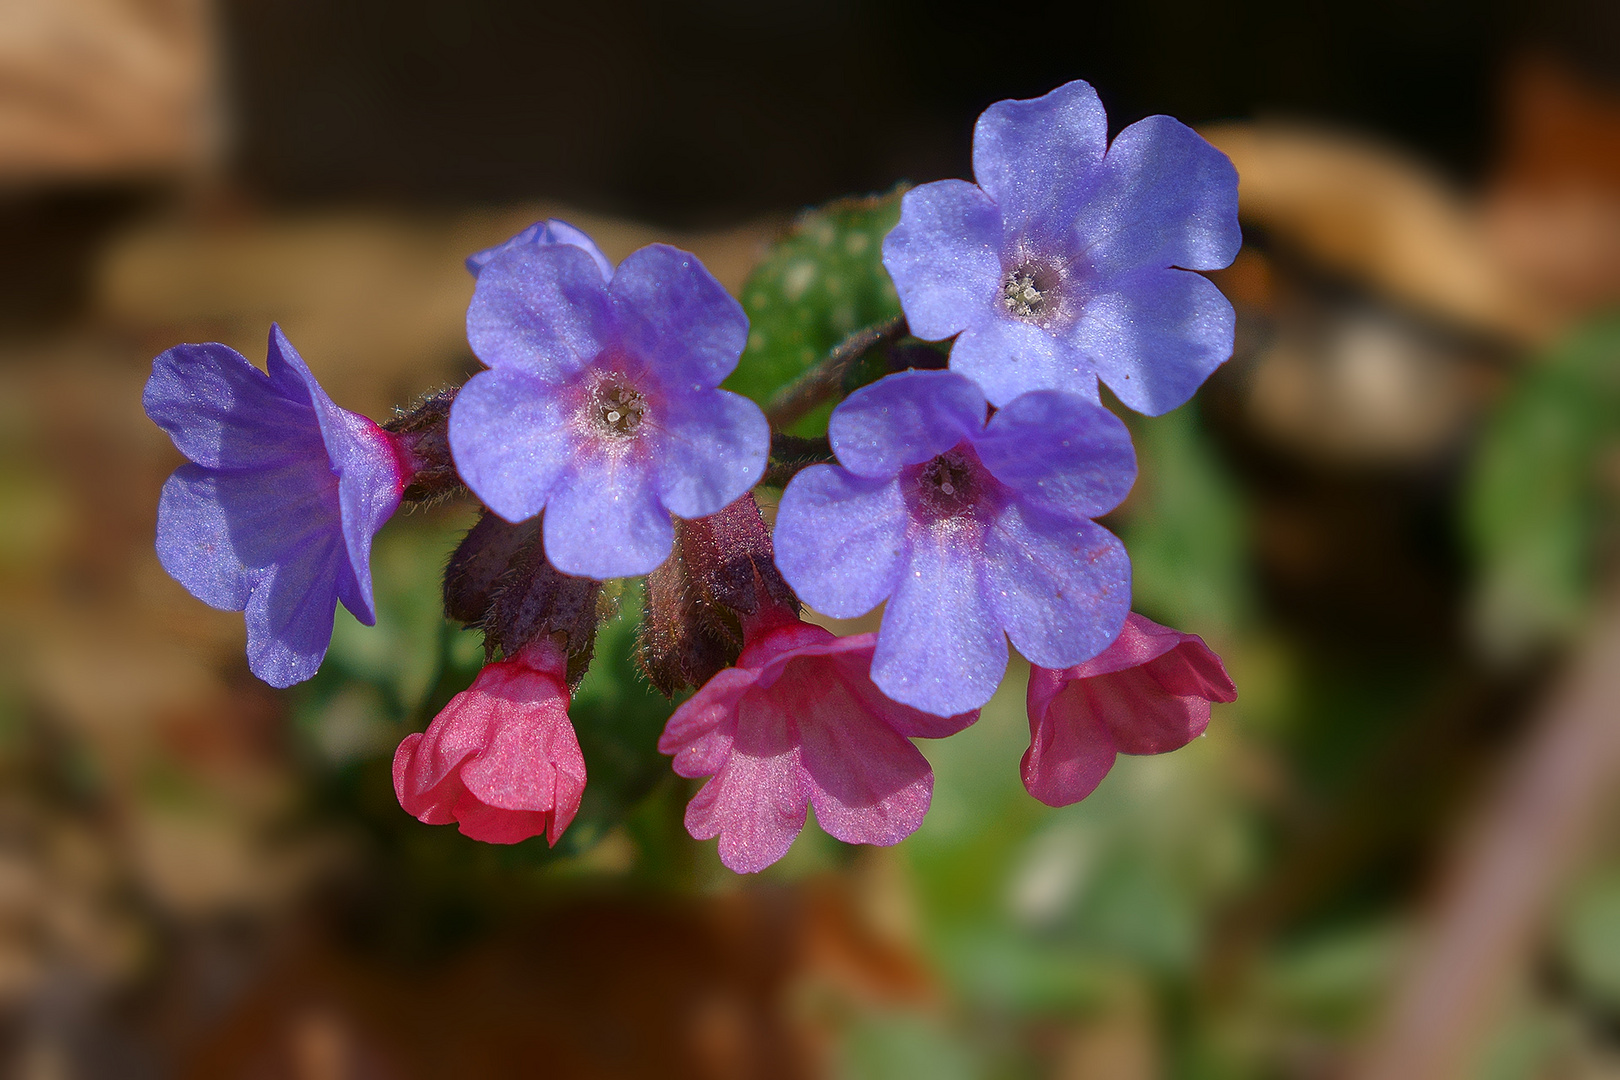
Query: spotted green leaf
x,y
819,283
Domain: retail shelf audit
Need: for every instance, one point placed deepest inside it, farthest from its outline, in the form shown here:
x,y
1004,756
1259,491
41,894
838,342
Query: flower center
x,y
949,485
618,408
1031,291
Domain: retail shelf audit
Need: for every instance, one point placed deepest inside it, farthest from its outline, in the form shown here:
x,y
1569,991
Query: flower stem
x,y
825,380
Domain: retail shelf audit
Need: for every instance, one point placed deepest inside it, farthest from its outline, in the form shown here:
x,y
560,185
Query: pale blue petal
x,y
1039,159
511,441
945,257
940,648
1167,198
711,449
543,310
675,317
904,419
839,539
1061,588
1070,456
221,411
540,234
1007,357
1155,336
604,519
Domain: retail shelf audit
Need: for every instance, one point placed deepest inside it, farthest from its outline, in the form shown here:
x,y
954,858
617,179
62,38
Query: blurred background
x,y
1393,513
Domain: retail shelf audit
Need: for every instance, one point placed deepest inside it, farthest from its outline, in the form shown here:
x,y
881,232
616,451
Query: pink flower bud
x,y
1147,693
501,760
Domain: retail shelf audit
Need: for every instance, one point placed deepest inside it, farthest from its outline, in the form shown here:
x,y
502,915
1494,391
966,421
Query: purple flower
x,y
798,723
542,234
276,512
1147,693
970,530
1059,267
601,405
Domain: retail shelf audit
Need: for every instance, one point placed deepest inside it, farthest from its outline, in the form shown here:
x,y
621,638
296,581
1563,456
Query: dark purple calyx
x,y
420,437
498,580
718,588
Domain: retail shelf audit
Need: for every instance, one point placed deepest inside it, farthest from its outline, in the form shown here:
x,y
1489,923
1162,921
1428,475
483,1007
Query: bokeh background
x,y
1393,513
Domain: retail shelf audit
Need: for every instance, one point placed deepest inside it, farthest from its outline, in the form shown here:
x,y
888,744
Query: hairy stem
x,y
825,380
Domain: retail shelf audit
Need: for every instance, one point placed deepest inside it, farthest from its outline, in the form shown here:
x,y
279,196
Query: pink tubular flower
x,y
501,760
798,723
1147,693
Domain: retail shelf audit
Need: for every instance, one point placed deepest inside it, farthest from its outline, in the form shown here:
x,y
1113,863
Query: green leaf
x,y
1535,505
1186,528
819,283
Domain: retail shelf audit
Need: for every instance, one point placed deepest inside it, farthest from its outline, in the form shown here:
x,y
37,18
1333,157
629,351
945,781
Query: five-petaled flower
x,y
1070,259
600,406
1147,693
797,723
501,760
276,511
970,530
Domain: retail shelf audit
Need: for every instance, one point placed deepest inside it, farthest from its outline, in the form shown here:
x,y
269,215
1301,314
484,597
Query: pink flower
x,y
798,723
1147,693
501,759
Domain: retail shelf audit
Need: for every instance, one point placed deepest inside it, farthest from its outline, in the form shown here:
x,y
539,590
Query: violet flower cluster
x,y
964,502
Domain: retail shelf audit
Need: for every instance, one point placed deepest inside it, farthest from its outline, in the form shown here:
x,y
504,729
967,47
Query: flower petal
x,y
544,310
1061,589
945,257
289,614
530,763
542,233
869,785
604,519
756,803
370,480
1153,686
222,412
1058,451
851,658
194,541
1039,158
1007,357
1070,749
940,648
677,318
904,419
701,732
511,441
1155,335
501,758
1166,198
712,448
839,538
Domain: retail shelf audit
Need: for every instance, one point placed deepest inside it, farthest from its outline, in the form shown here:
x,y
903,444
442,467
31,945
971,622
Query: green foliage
x,y
1589,939
888,1045
819,283
1536,499
1185,528
618,717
